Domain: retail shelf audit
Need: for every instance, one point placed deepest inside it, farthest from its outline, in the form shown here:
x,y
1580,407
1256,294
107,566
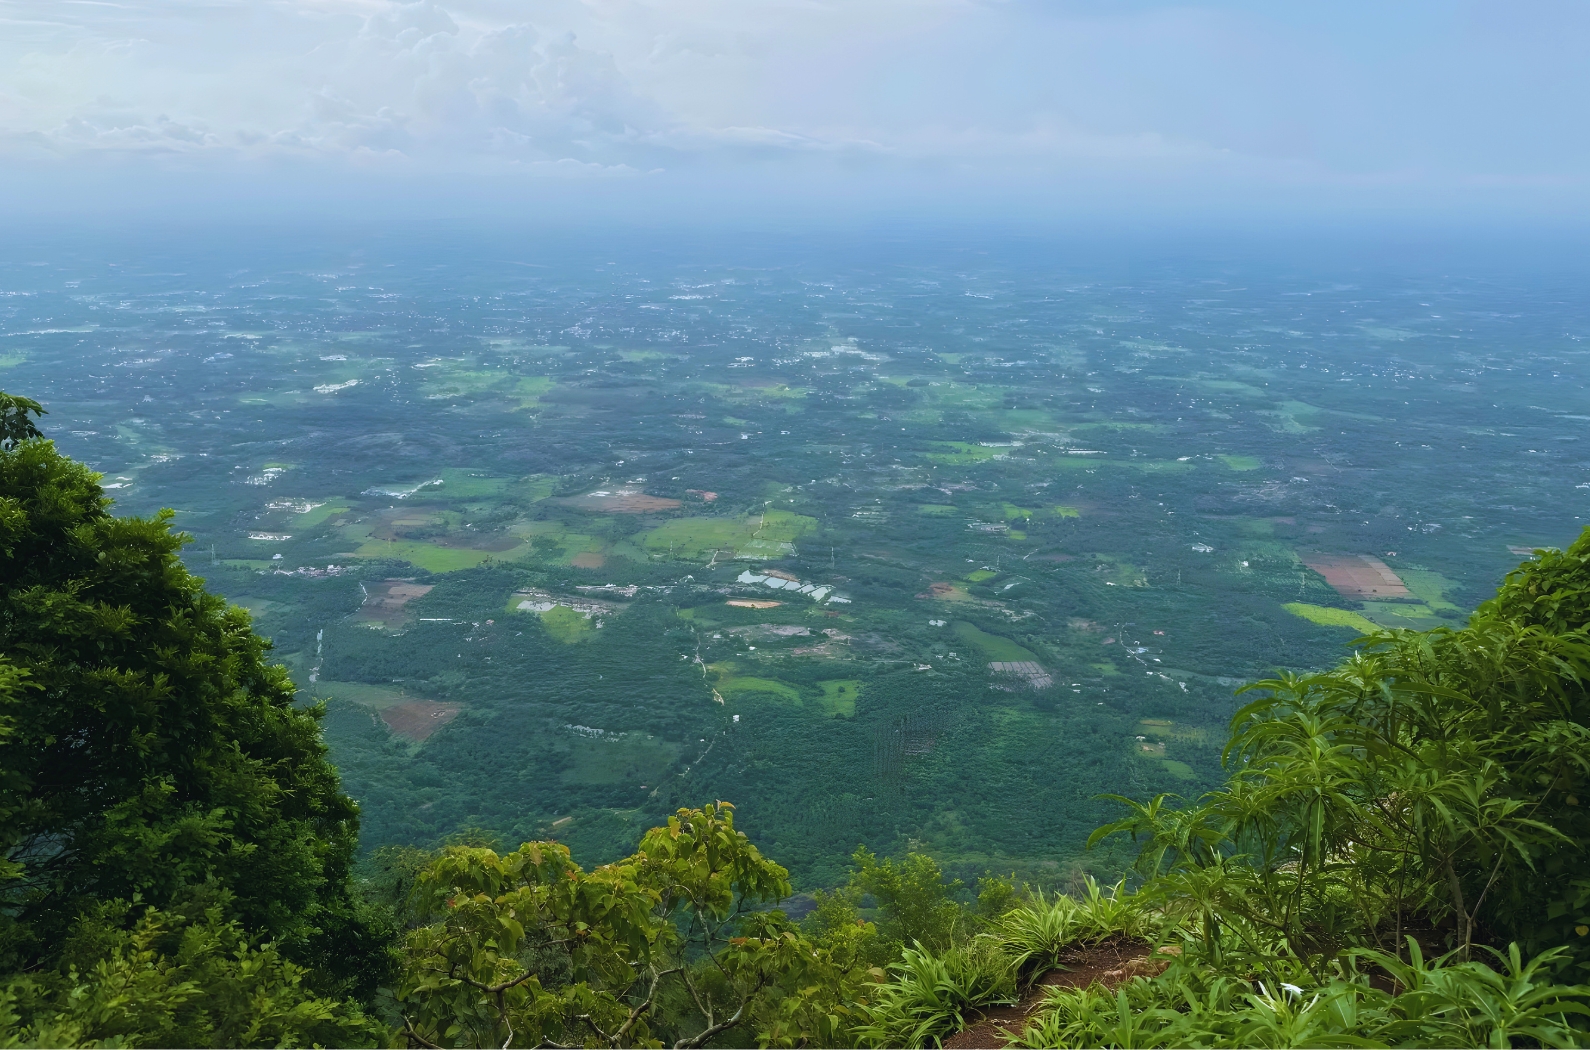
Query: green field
x,y
993,648
433,558
839,696
962,453
1403,614
760,535
730,683
458,483
566,625
1329,617
535,488
1430,588
376,696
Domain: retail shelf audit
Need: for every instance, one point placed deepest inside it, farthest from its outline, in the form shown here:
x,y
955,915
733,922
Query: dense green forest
x,y
1396,856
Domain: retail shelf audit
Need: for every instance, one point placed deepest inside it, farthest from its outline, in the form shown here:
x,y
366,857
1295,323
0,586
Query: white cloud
x,y
579,89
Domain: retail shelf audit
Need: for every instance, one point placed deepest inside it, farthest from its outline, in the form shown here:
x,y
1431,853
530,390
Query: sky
x,y
1468,111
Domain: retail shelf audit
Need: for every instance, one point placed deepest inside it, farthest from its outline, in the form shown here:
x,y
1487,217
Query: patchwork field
x,y
948,531
1357,575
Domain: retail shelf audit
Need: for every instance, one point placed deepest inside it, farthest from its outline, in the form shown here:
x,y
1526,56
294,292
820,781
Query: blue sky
x,y
1474,110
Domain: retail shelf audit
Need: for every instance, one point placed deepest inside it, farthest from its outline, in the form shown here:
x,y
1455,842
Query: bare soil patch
x,y
1357,575
1109,964
588,560
748,603
384,601
623,501
416,720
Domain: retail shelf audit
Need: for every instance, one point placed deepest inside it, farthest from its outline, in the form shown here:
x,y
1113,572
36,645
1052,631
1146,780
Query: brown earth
x,y
416,720
748,603
588,560
623,501
1357,575
384,601
1109,964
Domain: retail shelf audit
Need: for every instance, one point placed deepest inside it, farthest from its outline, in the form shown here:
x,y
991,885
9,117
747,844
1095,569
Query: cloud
x,y
406,80
1216,93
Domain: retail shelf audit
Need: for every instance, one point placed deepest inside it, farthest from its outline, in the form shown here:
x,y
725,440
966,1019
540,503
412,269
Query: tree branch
x,y
415,1037
642,1007
700,1038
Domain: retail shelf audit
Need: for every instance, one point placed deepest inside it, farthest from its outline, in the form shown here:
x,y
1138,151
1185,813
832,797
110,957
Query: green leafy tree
x,y
528,949
167,979
15,426
148,752
1433,776
916,904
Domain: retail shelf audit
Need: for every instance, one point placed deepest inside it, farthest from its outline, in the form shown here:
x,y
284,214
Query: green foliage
x,y
168,980
1551,592
915,903
1442,1003
15,426
147,748
1036,933
931,993
1430,782
1432,775
527,947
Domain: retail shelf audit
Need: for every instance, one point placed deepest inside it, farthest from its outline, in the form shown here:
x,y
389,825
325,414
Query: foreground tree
x,y
148,753
528,949
1433,778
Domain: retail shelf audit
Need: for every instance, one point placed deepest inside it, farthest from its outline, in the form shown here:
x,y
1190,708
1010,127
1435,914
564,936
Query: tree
x,y
528,949
15,426
1432,777
148,753
165,979
917,905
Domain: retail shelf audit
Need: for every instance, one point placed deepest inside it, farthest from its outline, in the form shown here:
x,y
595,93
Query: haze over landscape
x,y
910,420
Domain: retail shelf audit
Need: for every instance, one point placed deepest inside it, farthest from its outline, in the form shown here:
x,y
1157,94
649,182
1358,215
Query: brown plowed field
x,y
416,720
1357,575
385,600
623,501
